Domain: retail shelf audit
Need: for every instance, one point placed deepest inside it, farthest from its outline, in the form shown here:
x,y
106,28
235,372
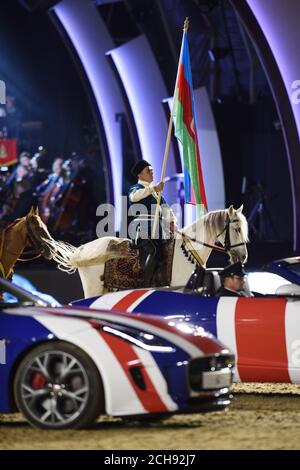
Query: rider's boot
x,y
147,255
149,269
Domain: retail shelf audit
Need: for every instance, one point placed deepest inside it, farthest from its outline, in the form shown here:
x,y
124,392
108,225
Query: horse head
x,y
236,235
37,233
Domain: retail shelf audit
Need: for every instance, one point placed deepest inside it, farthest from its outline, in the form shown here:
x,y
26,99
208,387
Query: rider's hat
x,y
236,269
138,167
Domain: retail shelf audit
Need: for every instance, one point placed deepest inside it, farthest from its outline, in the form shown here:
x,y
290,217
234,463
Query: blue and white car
x,y
263,331
62,367
287,269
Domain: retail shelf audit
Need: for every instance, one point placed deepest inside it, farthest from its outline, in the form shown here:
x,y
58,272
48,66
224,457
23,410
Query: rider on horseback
x,y
143,198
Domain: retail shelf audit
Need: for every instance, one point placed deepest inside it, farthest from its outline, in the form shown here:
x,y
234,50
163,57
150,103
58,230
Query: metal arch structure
x,y
143,85
90,38
256,18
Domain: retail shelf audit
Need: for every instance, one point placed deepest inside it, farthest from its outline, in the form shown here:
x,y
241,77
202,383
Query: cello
x,y
66,210
50,191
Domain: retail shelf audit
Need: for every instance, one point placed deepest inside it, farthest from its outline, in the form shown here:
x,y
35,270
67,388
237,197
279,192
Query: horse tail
x,y
69,258
63,254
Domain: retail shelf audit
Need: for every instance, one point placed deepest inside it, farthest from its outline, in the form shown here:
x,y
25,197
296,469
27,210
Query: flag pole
x,y
164,165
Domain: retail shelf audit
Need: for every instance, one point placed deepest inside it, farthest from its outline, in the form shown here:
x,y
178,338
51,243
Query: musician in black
x,y
19,194
56,176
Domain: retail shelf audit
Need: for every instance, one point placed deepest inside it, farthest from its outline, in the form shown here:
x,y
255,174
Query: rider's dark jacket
x,y
143,194
223,292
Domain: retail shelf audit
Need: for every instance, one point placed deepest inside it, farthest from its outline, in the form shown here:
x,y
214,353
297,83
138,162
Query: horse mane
x,y
215,221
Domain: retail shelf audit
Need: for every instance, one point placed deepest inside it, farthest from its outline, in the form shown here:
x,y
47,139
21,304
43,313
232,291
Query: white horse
x,y
228,226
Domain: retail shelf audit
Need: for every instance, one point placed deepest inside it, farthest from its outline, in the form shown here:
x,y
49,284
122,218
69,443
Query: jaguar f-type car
x,y
262,331
63,366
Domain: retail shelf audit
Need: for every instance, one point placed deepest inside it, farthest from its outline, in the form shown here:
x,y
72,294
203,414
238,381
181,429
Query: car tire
x,y
57,386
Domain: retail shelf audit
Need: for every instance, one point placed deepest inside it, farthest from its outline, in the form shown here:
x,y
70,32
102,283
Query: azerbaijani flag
x,y
186,130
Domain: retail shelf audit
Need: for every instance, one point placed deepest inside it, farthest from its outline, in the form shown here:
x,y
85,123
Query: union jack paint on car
x,y
263,332
63,366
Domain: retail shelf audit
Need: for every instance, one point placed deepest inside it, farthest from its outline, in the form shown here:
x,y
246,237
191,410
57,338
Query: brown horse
x,y
27,231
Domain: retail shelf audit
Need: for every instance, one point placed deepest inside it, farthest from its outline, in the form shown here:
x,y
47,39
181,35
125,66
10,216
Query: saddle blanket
x,y
125,272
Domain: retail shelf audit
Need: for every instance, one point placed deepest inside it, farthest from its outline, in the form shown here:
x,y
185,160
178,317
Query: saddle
x,y
125,272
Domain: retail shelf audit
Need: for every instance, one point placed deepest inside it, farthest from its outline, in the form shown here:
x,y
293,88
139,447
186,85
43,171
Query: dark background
x,y
40,74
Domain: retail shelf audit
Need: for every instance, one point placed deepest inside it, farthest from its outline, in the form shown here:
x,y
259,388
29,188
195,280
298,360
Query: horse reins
x,y
30,236
227,245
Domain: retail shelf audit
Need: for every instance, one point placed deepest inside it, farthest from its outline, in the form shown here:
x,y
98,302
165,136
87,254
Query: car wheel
x,y
57,386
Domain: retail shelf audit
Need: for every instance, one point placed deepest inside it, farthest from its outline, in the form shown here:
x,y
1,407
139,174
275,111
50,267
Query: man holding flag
x,y
183,113
143,197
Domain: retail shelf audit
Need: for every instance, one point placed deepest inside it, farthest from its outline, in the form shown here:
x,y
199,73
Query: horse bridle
x,y
227,245
37,249
2,240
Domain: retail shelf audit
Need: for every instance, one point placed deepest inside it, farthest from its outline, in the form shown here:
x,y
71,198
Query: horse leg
x,y
92,280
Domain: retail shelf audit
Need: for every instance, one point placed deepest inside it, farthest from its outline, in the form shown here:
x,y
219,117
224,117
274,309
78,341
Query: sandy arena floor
x,y
263,416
